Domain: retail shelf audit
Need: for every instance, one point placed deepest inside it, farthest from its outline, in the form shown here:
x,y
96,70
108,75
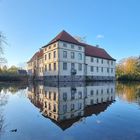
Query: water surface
x,y
70,111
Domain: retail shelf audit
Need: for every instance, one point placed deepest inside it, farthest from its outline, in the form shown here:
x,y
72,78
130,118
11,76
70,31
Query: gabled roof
x,y
97,52
89,49
88,111
40,54
64,36
33,57
37,55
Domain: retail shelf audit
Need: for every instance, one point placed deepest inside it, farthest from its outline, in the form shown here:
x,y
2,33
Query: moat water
x,y
70,111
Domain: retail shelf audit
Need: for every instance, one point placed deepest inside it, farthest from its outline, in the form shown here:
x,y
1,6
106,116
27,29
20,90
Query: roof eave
x,y
63,41
101,57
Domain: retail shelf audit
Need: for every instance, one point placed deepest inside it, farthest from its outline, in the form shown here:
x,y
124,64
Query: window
x,y
79,114
54,54
64,66
97,69
49,95
64,45
80,67
72,95
45,67
54,108
80,48
72,106
72,55
79,105
101,91
64,96
45,104
54,65
72,46
54,45
111,62
65,108
72,65
85,94
91,92
108,70
49,106
45,56
102,69
49,55
111,90
49,47
97,60
92,59
49,67
54,96
111,70
79,56
102,61
91,102
64,54
107,61
80,95
108,90
91,68
97,92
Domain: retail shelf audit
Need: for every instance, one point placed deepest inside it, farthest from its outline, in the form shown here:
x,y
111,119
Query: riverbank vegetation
x,y
12,74
128,69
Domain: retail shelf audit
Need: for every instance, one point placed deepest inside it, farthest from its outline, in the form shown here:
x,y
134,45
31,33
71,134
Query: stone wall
x,y
78,78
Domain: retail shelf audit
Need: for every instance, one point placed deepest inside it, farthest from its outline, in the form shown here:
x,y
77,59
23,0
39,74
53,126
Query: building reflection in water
x,y
67,103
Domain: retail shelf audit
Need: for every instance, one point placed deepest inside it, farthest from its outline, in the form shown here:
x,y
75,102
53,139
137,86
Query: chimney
x,y
97,46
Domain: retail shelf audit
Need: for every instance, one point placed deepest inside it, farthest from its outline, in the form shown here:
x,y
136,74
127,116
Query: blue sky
x,y
30,24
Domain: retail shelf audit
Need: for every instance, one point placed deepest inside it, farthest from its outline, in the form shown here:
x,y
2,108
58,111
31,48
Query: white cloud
x,y
99,36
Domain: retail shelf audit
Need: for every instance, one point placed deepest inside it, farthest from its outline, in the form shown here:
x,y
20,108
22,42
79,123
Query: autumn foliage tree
x,y
128,69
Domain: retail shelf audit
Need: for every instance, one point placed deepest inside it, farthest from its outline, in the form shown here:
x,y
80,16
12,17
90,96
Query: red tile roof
x,y
89,50
64,36
97,52
40,54
37,55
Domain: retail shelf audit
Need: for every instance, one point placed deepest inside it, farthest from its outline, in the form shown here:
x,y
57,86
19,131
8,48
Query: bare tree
x,y
2,43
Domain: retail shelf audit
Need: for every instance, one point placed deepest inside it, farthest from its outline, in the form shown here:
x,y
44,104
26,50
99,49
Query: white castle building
x,y
66,59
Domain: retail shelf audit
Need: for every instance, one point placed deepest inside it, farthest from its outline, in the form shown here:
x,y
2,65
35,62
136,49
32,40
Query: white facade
x,y
61,53
99,66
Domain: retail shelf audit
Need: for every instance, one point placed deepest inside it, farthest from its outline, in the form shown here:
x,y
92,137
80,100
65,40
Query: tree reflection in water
x,y
3,102
129,91
6,88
